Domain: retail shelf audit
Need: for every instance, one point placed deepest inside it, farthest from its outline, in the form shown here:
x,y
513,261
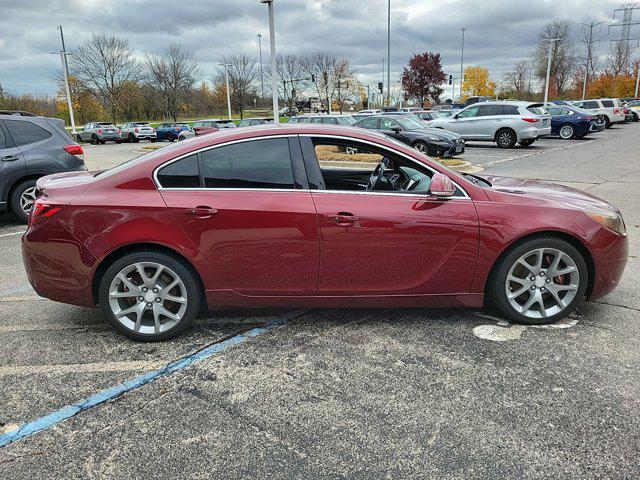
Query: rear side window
x,y
590,104
487,110
24,132
537,110
607,103
254,164
181,174
510,110
3,140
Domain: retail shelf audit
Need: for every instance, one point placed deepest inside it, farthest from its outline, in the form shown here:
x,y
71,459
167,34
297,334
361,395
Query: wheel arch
x,y
502,129
139,247
571,239
16,181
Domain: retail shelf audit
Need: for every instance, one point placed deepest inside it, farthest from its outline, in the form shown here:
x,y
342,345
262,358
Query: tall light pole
x,y
388,52
65,68
226,74
546,82
274,79
261,77
461,63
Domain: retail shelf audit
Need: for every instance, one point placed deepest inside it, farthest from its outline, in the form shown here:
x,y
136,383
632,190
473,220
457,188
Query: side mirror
x,y
441,186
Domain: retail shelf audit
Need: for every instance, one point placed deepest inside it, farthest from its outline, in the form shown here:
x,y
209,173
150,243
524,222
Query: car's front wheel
x,y
150,296
22,197
421,147
506,138
540,281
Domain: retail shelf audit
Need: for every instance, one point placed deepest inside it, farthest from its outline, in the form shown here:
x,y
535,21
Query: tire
x,y
153,140
172,269
22,195
78,138
506,138
576,278
94,140
607,122
170,137
132,138
422,147
567,132
527,142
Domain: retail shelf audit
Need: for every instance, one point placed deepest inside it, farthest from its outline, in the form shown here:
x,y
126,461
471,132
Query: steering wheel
x,y
377,176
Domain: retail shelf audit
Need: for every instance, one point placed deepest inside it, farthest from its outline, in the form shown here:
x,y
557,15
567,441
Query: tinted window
x,y
537,110
590,104
181,174
510,110
388,124
554,111
607,103
24,133
255,164
369,122
468,112
3,141
330,120
486,110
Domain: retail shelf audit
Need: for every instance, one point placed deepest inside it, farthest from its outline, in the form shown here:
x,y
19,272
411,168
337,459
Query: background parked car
x,y
634,107
135,131
31,147
606,108
505,123
329,119
476,99
206,126
249,122
99,132
171,131
428,115
431,141
572,122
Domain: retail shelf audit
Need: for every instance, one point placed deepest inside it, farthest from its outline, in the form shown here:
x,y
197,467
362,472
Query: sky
x,y
498,33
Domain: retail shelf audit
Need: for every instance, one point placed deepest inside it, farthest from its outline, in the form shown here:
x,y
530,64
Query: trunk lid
x,y
62,188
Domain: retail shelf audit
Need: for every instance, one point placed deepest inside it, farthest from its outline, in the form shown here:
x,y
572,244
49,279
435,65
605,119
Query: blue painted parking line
x,y
15,291
69,411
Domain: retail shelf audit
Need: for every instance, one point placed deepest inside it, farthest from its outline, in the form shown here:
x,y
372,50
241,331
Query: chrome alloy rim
x,y
566,131
504,138
27,198
147,298
542,283
421,147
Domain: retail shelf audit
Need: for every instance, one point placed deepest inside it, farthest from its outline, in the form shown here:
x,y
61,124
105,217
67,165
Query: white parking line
x,y
11,234
62,369
532,154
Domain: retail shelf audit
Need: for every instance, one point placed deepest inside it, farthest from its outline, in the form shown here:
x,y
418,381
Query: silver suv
x,y
505,123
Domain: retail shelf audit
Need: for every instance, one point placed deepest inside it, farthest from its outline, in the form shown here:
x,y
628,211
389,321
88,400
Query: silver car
x,y
135,131
99,132
505,123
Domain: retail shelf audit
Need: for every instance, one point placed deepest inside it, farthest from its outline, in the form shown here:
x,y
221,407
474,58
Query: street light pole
x,y
261,77
546,83
65,68
461,63
388,52
274,80
226,74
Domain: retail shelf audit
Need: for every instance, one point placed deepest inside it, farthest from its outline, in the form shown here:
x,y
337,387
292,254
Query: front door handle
x,y
9,158
200,211
343,218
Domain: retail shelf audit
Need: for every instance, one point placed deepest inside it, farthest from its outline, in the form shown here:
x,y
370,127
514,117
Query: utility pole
x,y
589,43
274,78
381,95
546,83
226,74
65,69
368,98
261,77
635,94
462,62
388,52
623,53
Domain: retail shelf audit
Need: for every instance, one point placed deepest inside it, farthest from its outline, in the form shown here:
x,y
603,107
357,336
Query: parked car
x,y
260,223
570,122
505,123
171,130
99,132
287,112
19,113
135,131
606,108
428,115
410,109
430,141
206,126
476,99
250,122
447,113
31,147
371,111
634,107
328,119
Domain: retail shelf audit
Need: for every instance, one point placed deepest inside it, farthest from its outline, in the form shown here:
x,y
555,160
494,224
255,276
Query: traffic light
x,y
380,86
293,93
313,78
450,79
325,76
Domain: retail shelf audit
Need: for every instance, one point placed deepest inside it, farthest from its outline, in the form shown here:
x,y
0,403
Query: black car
x,y
432,141
31,147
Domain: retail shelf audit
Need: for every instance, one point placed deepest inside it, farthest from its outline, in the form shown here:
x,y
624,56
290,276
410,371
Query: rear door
x,y
489,120
12,164
40,154
247,208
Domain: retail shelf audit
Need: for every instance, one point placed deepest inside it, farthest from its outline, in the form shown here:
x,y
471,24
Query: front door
x,y
247,215
464,123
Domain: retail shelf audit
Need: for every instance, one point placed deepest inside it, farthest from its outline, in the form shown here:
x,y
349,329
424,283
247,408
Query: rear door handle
x,y
343,218
200,211
9,158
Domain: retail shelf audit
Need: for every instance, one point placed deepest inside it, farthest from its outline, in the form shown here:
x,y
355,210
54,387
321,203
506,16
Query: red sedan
x,y
261,217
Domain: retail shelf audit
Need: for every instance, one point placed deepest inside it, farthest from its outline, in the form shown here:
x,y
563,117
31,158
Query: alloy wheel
x,y
504,139
566,132
27,198
421,147
542,283
148,298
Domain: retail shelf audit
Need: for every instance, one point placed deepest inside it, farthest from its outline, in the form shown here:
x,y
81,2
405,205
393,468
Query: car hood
x,y
437,132
547,192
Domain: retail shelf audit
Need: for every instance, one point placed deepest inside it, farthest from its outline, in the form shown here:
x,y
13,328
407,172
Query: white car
x,y
135,131
505,123
609,109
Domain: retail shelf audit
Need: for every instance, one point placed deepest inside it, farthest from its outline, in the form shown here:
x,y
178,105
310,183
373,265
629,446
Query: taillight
x,y
75,150
41,211
531,120
99,131
178,129
616,110
135,130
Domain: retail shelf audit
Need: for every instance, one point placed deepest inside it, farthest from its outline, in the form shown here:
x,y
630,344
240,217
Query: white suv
x,y
608,109
505,123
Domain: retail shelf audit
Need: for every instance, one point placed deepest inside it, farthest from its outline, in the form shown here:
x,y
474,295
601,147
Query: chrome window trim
x,y
289,135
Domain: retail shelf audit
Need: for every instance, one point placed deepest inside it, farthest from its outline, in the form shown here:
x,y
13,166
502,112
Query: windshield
x,y
409,123
346,120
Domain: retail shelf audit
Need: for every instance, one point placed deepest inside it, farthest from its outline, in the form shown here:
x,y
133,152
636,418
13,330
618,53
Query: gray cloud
x,y
499,33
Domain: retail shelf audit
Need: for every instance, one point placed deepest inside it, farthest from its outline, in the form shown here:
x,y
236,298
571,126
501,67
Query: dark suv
x,y
31,147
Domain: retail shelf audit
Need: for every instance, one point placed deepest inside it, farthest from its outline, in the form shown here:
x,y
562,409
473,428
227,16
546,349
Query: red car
x,y
250,217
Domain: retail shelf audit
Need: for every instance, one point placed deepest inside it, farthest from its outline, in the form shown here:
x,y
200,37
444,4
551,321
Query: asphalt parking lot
x,y
335,393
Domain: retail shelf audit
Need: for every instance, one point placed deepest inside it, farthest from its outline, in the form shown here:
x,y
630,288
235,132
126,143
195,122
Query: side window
x,y
468,112
487,110
554,111
181,174
590,104
607,103
24,132
254,164
510,110
369,122
331,120
3,140
388,124
315,120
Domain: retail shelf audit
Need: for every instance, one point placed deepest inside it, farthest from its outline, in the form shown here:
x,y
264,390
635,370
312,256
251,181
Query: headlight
x,y
611,220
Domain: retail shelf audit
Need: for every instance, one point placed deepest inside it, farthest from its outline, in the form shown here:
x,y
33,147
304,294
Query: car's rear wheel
x,y
566,132
539,281
506,138
132,138
607,122
94,140
22,197
150,296
527,142
78,138
170,137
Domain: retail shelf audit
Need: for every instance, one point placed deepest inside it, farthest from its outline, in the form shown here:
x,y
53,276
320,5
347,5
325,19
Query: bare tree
x,y
518,79
331,77
242,76
102,65
172,74
563,60
291,77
